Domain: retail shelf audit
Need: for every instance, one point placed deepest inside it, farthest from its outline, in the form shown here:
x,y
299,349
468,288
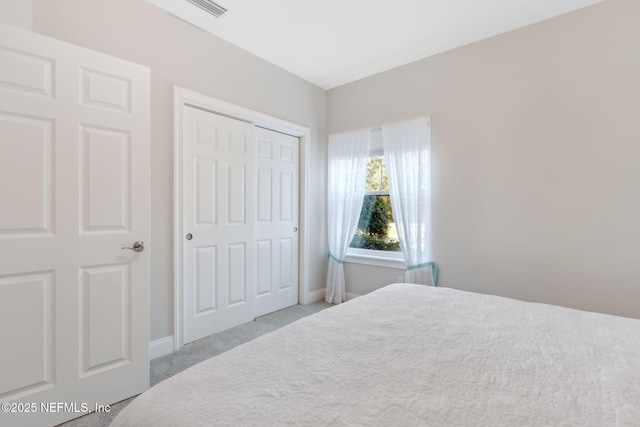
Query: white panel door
x,y
74,189
218,223
277,183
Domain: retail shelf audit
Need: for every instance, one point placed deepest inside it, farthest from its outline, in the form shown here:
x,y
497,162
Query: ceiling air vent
x,y
210,7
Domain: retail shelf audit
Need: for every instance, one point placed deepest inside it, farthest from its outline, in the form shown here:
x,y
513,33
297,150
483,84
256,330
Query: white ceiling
x,y
333,42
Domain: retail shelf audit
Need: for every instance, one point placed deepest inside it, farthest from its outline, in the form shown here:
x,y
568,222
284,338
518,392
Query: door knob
x,y
137,246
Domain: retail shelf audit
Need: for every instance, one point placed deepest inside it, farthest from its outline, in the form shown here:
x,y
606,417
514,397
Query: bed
x,y
415,355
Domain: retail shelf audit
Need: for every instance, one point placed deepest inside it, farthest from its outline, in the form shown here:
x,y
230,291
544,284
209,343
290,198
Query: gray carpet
x,y
197,351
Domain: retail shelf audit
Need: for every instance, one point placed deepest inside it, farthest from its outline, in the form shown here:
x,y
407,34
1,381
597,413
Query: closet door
x,y
277,187
218,223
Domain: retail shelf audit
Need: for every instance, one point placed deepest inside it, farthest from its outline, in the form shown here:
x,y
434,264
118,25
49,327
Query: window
x,y
376,235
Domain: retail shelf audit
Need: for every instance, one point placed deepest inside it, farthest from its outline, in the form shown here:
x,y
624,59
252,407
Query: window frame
x,y
390,259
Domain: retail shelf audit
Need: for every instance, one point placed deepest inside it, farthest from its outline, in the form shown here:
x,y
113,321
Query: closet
x,y
239,221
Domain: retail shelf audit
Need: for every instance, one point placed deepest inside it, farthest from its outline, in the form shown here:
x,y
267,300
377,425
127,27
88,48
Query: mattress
x,y
415,355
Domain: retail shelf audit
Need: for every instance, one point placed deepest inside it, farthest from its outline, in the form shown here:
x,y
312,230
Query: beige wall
x,y
17,13
536,154
180,54
536,158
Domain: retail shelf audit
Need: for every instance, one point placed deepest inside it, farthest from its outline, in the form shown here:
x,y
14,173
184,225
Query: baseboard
x,y
349,296
160,347
319,295
315,296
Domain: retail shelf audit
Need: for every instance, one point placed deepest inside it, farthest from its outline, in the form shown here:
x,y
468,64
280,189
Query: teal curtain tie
x,y
434,270
333,257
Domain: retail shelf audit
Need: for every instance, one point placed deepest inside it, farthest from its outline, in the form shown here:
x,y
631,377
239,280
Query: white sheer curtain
x,y
407,154
348,154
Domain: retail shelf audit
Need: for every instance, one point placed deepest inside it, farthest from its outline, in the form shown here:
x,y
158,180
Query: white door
x,y
74,189
276,221
218,222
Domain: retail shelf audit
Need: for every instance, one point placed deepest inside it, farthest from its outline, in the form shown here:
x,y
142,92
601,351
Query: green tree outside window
x,y
376,229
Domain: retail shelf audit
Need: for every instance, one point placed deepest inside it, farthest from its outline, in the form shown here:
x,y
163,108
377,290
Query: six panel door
x,y
276,221
218,223
74,190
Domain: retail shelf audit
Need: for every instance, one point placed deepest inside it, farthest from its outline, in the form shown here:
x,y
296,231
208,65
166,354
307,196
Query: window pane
x,y
376,229
376,174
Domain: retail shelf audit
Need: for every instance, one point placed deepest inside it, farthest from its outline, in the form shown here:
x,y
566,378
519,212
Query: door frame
x,y
184,97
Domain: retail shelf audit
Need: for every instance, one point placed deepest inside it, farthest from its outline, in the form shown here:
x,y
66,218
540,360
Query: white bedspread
x,y
415,355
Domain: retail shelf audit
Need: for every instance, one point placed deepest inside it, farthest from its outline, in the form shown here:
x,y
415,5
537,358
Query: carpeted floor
x,y
195,352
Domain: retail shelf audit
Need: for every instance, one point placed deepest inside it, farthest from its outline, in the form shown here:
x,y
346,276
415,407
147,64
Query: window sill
x,y
379,260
